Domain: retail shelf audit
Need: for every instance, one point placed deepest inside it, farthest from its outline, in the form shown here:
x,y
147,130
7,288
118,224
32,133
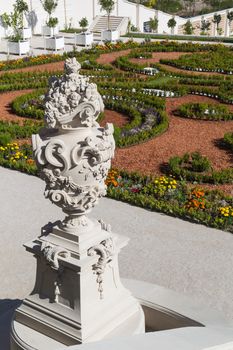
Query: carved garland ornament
x,y
105,251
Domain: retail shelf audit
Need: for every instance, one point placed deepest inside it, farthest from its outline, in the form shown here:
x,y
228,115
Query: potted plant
x,y
22,8
108,34
153,23
172,24
217,20
230,19
16,43
205,26
54,42
5,23
85,38
50,28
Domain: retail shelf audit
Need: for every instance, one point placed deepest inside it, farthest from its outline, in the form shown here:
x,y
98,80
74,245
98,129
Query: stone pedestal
x,y
78,296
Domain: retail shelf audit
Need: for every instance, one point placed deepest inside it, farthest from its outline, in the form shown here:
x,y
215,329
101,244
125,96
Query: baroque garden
x,y
172,109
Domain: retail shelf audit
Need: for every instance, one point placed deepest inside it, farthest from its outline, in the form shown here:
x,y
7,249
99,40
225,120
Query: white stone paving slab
x,y
170,252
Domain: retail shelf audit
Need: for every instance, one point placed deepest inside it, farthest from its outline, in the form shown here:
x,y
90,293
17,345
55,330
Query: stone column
x,y
138,15
227,24
93,8
117,7
78,296
65,12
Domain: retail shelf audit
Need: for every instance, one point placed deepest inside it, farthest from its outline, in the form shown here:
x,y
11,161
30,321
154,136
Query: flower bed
x,y
134,96
30,61
219,60
176,198
18,157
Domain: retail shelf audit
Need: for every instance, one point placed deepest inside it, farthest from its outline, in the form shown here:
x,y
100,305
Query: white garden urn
x,y
78,295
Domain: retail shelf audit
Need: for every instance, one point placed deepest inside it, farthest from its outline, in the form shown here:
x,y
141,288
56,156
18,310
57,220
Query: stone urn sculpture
x,y
74,153
78,295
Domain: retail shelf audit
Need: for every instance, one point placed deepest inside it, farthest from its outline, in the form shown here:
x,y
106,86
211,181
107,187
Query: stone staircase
x,y
100,23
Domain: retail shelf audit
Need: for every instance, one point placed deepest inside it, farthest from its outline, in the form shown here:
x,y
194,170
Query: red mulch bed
x,y
116,118
157,56
183,135
108,58
50,67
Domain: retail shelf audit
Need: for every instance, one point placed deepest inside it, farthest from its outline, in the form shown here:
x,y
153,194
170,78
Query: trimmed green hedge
x,y
181,168
204,111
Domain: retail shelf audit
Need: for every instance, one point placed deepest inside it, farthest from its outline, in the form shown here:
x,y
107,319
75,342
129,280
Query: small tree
x,y
21,7
171,24
5,20
83,23
216,20
108,7
205,26
50,6
230,19
13,21
188,28
154,22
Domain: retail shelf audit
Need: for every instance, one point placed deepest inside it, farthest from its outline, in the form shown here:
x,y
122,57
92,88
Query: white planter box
x,y
26,33
55,43
19,48
84,39
47,31
110,35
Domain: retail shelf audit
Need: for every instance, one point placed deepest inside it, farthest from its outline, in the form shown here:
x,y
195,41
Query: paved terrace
x,y
37,45
188,258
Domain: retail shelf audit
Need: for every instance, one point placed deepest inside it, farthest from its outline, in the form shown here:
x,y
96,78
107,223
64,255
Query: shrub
x,y
205,111
197,168
228,139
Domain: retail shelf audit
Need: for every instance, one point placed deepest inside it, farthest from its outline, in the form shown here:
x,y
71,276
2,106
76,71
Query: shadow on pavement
x,y
7,308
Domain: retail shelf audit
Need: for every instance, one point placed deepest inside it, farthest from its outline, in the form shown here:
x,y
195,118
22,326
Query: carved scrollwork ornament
x,y
73,153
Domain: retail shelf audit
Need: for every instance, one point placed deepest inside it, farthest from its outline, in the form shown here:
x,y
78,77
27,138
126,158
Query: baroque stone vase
x,y
78,296
74,153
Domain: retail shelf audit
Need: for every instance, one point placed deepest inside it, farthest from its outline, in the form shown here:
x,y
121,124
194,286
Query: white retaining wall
x,y
76,9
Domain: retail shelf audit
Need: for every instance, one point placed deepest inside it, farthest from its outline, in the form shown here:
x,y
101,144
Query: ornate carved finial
x,y
71,66
72,102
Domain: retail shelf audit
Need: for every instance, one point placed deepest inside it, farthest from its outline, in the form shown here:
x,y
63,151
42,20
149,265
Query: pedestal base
x,y
24,338
78,296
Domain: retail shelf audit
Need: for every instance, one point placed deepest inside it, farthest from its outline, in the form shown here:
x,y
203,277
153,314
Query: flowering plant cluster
x,y
196,199
173,197
30,61
226,211
14,153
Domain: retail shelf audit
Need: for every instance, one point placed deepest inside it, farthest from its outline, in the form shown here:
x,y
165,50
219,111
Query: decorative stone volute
x,y
73,153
